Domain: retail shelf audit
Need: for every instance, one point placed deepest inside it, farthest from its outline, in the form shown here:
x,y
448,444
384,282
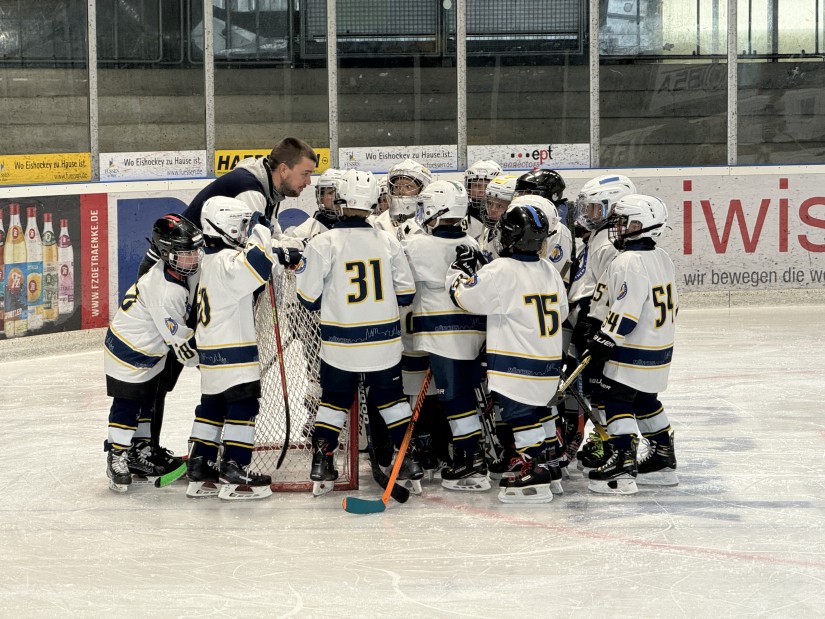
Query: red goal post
x,y
301,341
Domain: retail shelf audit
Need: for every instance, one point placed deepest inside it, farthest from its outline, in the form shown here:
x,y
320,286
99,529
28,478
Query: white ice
x,y
743,535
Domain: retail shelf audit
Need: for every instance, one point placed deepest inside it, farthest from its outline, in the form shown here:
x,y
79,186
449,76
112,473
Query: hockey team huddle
x,y
464,305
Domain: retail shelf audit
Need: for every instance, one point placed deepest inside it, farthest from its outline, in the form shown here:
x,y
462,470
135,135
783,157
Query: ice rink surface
x,y
743,535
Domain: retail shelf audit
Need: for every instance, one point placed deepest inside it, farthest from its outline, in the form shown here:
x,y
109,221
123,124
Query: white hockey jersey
x,y
439,326
643,302
594,261
225,333
559,250
525,303
150,320
358,276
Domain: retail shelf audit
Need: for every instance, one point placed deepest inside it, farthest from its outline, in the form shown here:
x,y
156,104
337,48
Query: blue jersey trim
x,y
121,350
436,323
312,306
260,262
361,334
404,300
523,366
626,326
228,355
642,357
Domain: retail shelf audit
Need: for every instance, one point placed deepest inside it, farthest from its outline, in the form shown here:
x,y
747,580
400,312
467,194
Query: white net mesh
x,y
301,341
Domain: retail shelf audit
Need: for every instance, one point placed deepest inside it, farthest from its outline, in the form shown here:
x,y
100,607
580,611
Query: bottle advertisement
x,y
53,264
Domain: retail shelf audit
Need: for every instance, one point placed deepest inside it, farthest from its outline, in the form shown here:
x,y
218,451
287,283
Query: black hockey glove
x,y
468,259
287,256
586,327
599,348
258,218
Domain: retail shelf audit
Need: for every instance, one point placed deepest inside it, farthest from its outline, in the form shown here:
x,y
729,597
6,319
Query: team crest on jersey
x,y
471,281
556,254
171,325
622,292
302,265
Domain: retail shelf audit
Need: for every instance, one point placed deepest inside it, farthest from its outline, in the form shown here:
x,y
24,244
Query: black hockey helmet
x,y
545,183
178,242
522,229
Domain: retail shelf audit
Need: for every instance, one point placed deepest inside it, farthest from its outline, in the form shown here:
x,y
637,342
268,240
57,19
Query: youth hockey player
x,y
594,206
238,262
405,181
476,179
357,277
452,337
550,186
151,320
545,183
326,215
497,198
524,300
635,344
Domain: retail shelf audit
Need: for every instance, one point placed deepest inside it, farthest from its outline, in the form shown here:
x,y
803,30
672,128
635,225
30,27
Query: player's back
x,y
439,327
359,276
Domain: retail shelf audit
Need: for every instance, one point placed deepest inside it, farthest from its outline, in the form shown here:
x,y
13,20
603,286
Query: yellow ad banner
x,y
225,160
46,168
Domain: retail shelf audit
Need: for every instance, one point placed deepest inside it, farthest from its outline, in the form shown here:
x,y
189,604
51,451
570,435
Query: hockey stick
x,y
355,505
492,448
171,476
399,493
280,352
570,380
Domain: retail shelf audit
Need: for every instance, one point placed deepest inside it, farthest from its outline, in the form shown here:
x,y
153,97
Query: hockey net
x,y
301,341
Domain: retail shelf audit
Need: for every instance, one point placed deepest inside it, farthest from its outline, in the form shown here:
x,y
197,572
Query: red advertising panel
x,y
94,261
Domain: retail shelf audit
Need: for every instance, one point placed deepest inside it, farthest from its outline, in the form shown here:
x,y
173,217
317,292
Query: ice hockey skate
x,y
203,477
117,470
410,474
239,483
507,467
617,475
594,453
427,456
548,461
657,466
147,464
530,485
468,473
323,473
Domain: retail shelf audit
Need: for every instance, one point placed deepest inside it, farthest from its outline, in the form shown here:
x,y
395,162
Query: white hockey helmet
x,y
497,198
358,190
542,204
476,178
325,191
596,199
383,196
441,200
405,181
226,219
637,216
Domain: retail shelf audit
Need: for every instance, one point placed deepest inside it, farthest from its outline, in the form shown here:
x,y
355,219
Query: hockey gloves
x,y
287,256
586,327
468,259
599,348
258,218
